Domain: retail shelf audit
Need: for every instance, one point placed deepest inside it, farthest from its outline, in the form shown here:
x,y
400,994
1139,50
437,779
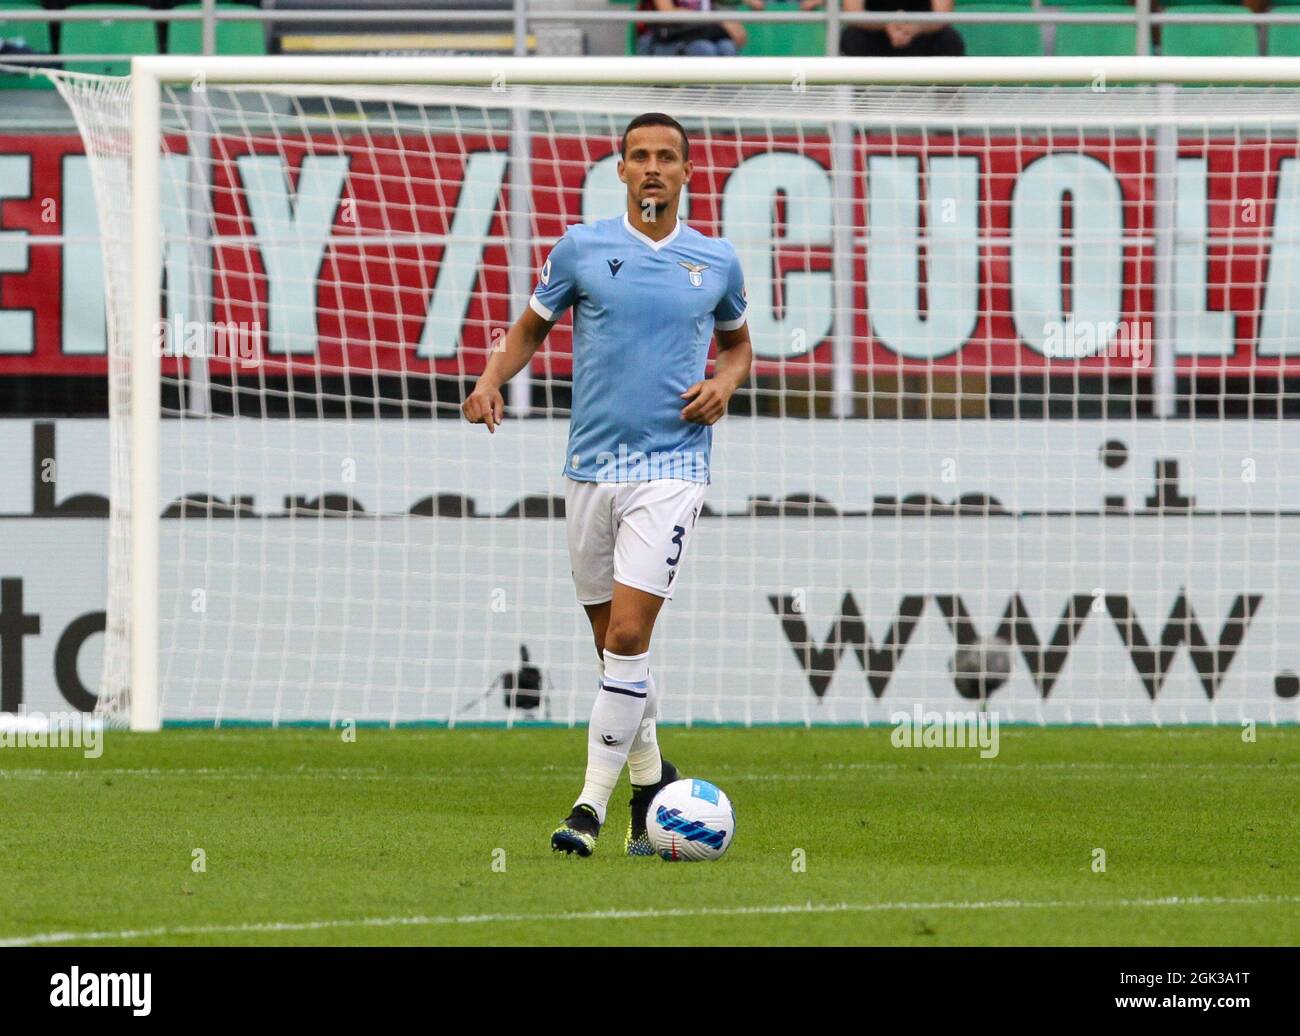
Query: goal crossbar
x,y
687,71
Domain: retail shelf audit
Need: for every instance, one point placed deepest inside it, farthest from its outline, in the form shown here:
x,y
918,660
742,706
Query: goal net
x,y
1023,381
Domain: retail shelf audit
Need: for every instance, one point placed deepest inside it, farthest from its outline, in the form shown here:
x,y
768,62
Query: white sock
x,y
614,721
643,760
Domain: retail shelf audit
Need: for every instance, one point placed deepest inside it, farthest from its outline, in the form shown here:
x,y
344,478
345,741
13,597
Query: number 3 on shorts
x,y
679,532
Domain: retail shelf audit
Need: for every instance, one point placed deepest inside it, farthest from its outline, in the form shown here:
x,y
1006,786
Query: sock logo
x,y
689,830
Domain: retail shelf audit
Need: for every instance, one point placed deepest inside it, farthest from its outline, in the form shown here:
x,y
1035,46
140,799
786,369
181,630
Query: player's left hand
x,y
708,402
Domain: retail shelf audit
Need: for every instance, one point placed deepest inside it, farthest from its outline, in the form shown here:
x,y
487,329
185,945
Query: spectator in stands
x,y
901,38
694,39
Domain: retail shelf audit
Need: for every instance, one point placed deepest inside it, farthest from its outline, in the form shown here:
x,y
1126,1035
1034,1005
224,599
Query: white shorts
x,y
634,533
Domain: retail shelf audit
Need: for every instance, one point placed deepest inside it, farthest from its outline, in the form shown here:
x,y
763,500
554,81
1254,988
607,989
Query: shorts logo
x,y
696,270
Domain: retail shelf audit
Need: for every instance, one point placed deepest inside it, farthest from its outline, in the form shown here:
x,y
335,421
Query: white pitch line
x,y
417,921
831,771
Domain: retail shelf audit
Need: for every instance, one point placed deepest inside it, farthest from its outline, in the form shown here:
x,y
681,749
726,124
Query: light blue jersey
x,y
645,313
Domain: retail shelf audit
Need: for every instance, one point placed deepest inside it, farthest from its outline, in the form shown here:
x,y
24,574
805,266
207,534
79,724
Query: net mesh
x,y
1022,356
101,107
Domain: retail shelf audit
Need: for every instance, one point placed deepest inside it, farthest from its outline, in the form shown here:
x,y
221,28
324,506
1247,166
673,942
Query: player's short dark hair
x,y
656,119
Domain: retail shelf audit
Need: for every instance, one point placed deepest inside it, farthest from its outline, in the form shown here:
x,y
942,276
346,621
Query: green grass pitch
x,y
429,836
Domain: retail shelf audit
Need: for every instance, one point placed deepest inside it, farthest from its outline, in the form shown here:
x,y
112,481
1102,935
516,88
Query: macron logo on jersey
x,y
614,266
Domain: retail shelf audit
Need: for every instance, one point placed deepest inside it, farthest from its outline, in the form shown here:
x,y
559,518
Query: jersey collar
x,y
656,245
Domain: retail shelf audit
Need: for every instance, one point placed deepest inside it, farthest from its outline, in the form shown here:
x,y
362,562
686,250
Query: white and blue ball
x,y
691,819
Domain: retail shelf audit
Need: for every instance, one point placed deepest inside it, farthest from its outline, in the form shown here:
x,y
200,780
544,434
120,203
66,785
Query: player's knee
x,y
625,639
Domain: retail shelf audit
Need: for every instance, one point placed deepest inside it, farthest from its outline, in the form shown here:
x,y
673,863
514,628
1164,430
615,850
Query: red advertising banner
x,y
979,253
34,270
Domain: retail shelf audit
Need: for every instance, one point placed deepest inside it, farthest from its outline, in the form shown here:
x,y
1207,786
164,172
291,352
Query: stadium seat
x,y
1000,40
107,36
233,38
788,39
1207,40
1077,39
35,35
1283,41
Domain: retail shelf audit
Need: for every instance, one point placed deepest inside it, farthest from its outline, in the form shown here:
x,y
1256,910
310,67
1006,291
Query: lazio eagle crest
x,y
696,271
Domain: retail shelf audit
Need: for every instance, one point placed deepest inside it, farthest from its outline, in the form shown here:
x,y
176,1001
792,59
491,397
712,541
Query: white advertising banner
x,y
393,466
1141,572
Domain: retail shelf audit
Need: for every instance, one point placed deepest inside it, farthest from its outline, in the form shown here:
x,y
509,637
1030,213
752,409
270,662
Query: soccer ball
x,y
691,820
980,668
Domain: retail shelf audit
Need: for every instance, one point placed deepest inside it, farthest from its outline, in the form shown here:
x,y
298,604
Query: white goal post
x,y
1138,133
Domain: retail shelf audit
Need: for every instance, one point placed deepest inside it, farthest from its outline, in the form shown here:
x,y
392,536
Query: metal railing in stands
x,y
1143,17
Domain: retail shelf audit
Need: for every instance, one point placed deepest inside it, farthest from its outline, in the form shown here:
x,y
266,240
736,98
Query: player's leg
x,y
648,773
648,770
648,524
589,523
654,530
616,716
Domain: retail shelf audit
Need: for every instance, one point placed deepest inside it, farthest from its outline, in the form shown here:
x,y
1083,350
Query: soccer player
x,y
648,294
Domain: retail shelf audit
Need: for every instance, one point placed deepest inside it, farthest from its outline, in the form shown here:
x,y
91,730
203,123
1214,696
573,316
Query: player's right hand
x,y
484,405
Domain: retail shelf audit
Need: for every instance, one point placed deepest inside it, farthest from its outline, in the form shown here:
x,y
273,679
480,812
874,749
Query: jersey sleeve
x,y
729,313
557,281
